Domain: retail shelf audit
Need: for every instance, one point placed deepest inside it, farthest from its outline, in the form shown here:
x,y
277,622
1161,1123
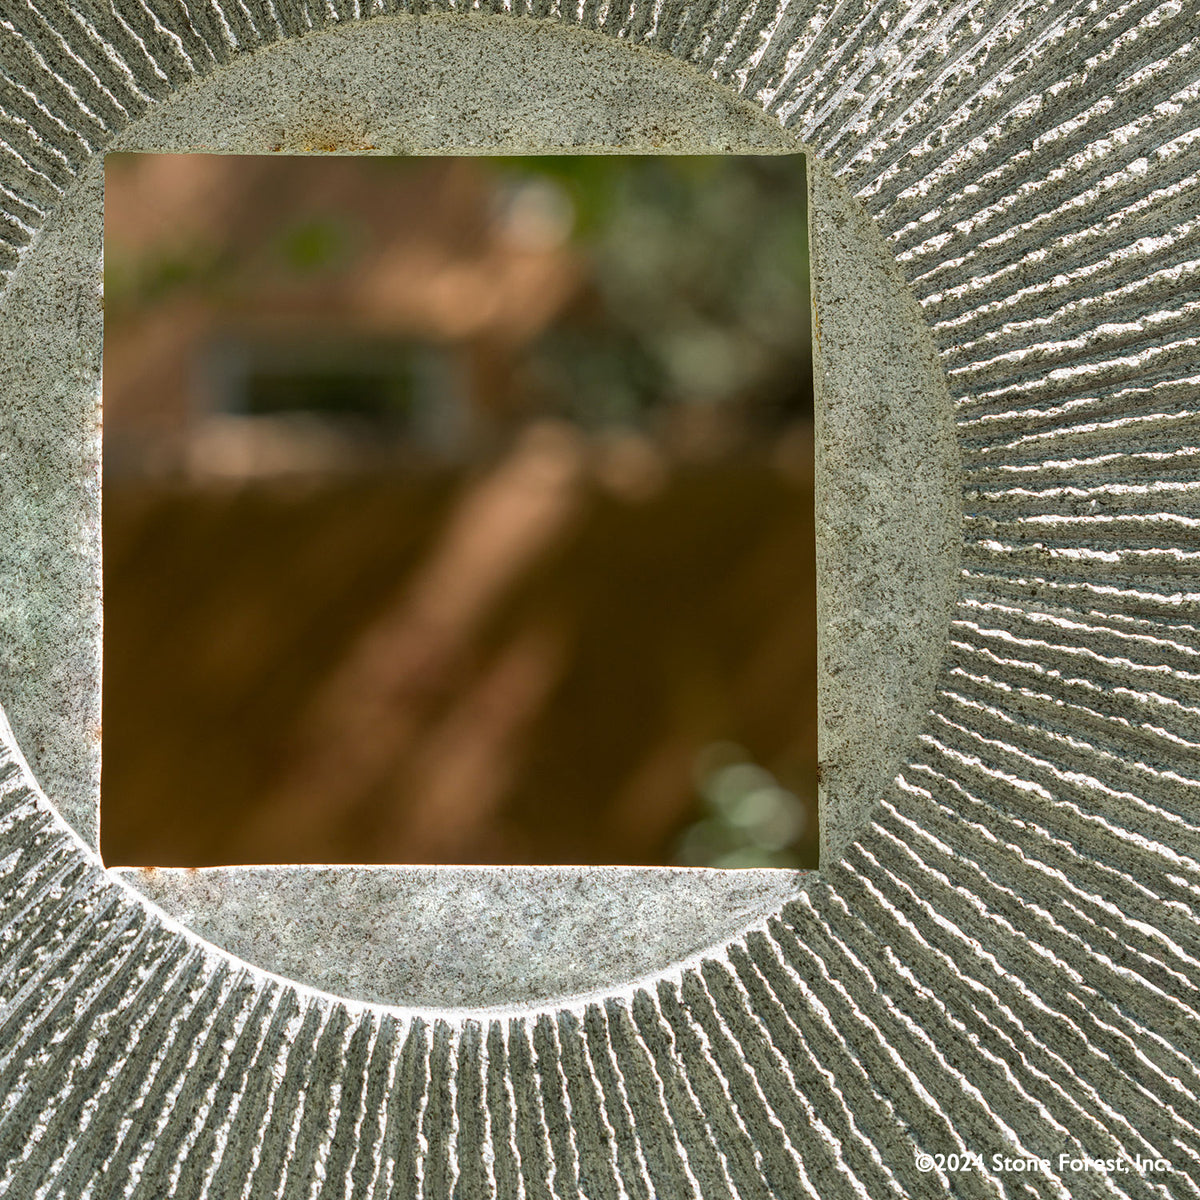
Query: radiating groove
x,y
1097,452
1088,258
667,34
366,1146
204,18
824,1160
663,1152
813,992
36,904
51,882
846,100
57,965
1078,311
705,1163
263,20
1114,600
131,1093
291,16
469,1069
842,58
67,1050
910,948
933,1105
238,1154
505,1162
1151,398
532,1138
1126,1069
15,234
1066,368
202,1053
779,1160
237,20
1168,442
346,1132
28,74
276,1140
194,39
400,1149
1081,377
1023,826
74,68
1076,199
698,17
730,18
212,1070
595,1136
1045,1131
1027,68
1136,500
1059,822
778,957
1038,718
1073,194
641,23
745,47
1047,102
1164,561
69,26
1144,725
589,17
630,1158
309,1141
901,950
20,809
24,179
439,1121
905,95
1082,919
175,49
1087,919
129,53
556,1110
755,1170
1108,780
767,993
1072,654
1079,802
1156,642
51,152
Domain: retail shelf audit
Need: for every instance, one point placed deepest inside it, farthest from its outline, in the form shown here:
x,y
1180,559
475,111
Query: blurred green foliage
x,y
319,244
749,820
700,287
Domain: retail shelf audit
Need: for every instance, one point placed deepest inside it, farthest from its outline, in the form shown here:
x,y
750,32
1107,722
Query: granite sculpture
x,y
991,985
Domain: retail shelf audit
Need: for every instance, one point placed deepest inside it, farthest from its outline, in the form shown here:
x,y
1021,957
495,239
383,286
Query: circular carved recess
x,y
888,518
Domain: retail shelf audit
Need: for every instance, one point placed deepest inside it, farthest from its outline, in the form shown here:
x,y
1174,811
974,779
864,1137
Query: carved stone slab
x,y
1000,955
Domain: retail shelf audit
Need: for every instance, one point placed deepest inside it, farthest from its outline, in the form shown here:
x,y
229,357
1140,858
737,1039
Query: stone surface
x,y
465,937
1004,960
882,641
888,511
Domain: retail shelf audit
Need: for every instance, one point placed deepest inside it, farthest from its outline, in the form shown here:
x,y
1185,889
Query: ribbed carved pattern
x,y
1008,960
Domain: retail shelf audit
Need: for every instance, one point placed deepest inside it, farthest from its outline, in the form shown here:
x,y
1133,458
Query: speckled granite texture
x,y
1001,955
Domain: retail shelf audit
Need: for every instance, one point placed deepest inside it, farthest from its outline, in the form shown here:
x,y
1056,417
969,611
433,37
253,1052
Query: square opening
x,y
458,510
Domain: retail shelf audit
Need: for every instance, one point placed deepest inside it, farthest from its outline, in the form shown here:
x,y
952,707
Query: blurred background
x,y
458,510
